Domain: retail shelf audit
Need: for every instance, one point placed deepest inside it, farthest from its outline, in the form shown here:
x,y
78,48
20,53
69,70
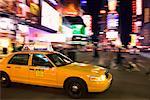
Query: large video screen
x,y
50,17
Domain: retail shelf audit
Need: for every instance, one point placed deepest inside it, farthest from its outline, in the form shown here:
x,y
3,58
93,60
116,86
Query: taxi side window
x,y
19,59
40,60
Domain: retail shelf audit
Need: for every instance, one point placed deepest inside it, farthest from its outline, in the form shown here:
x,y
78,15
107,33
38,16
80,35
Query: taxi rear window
x,y
19,59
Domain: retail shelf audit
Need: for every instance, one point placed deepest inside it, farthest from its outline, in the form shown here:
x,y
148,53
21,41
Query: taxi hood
x,y
88,68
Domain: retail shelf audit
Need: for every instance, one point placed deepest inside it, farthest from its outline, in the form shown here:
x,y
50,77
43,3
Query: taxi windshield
x,y
59,59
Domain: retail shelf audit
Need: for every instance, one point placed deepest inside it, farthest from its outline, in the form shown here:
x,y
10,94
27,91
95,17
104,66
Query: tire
x,y
4,80
75,88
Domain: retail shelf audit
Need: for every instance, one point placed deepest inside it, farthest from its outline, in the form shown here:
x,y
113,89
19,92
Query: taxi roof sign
x,y
41,46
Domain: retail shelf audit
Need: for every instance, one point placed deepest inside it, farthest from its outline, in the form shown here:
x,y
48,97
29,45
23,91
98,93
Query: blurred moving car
x,y
133,50
87,48
52,69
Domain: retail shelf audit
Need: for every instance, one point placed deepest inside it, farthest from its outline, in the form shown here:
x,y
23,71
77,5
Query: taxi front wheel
x,y
4,80
75,88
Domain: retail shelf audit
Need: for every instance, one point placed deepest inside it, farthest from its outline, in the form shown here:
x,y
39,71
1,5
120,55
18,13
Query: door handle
x,y
40,69
8,67
31,69
18,67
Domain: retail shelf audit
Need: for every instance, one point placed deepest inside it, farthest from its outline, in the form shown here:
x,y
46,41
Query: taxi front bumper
x,y
100,86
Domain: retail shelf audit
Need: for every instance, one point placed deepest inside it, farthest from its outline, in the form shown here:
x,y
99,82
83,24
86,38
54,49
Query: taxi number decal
x,y
39,73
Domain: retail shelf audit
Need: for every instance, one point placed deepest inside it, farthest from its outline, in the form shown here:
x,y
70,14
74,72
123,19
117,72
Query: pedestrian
x,y
110,56
95,50
119,57
5,50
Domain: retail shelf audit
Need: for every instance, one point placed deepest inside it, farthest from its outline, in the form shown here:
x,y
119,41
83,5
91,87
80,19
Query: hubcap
x,y
3,79
75,88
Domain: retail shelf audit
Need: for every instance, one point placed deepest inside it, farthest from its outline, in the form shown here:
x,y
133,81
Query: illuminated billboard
x,y
87,19
138,7
50,17
7,6
28,9
40,35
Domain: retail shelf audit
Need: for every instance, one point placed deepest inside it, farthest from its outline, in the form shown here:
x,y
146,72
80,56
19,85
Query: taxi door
x,y
18,66
41,71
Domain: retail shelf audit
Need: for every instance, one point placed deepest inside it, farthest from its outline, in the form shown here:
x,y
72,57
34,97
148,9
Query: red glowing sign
x,y
133,16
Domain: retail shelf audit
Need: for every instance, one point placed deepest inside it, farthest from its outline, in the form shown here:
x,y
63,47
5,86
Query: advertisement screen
x,y
78,29
87,19
50,17
28,9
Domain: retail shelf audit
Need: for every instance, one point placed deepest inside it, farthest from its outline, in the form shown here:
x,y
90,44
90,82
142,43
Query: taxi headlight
x,y
98,78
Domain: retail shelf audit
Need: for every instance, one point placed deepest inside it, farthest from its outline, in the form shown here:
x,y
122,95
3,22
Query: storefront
x,y
5,43
7,35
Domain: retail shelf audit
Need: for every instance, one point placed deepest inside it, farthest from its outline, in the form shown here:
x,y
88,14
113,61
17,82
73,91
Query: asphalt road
x,y
126,85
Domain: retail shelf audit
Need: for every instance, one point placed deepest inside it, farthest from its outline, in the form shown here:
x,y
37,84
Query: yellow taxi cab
x,y
53,69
